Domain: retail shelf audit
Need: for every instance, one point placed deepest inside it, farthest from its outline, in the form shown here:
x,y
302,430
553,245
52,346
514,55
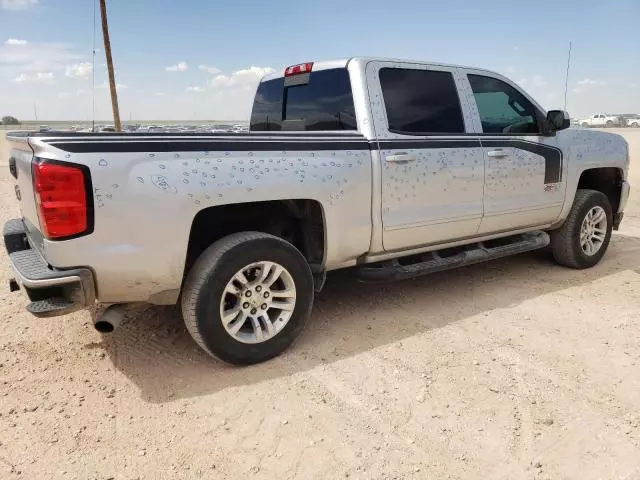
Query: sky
x,y
202,59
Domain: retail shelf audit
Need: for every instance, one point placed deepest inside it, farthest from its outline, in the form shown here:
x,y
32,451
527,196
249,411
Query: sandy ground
x,y
513,369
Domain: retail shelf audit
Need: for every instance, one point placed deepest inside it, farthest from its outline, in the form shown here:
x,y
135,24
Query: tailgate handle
x,y
400,157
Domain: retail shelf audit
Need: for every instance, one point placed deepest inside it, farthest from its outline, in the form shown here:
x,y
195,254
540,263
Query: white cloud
x,y
15,41
516,48
208,69
247,77
221,81
159,94
105,85
36,57
539,81
195,89
79,70
588,82
37,77
522,82
18,4
178,67
585,85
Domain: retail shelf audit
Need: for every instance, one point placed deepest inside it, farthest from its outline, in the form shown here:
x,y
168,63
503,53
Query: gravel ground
x,y
512,369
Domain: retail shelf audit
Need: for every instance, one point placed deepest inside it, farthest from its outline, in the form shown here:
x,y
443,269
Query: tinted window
x,y
421,101
267,106
502,108
324,103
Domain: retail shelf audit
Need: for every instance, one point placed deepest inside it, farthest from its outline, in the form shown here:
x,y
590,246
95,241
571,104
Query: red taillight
x,y
61,199
298,69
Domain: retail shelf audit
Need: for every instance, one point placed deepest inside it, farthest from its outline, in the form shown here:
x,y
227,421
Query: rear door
x,y
432,171
524,178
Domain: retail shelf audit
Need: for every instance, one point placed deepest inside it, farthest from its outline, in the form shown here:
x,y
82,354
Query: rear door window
x,y
421,102
324,103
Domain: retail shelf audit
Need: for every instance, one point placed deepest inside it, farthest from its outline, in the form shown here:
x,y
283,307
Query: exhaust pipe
x,y
110,319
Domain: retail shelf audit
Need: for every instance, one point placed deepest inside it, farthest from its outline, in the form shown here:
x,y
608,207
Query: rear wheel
x,y
247,297
609,123
584,124
583,239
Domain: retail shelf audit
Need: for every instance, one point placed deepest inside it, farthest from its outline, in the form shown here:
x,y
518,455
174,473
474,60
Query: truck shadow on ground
x,y
153,349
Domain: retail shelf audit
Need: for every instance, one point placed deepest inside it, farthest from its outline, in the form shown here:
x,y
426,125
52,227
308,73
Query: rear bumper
x,y
52,292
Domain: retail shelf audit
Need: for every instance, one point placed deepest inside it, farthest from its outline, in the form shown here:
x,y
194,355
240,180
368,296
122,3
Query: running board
x,y
438,261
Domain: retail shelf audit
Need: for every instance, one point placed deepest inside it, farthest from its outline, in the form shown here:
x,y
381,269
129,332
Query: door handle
x,y
399,157
499,153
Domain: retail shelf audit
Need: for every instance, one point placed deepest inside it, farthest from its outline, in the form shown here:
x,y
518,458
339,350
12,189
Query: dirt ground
x,y
515,369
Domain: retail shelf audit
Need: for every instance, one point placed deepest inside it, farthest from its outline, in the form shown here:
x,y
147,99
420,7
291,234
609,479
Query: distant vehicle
x,y
367,163
107,129
44,128
601,120
632,120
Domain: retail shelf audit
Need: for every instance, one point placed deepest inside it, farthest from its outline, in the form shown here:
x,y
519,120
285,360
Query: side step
x,y
438,261
51,307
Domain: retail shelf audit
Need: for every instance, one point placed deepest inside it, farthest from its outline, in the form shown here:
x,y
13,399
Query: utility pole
x,y
112,79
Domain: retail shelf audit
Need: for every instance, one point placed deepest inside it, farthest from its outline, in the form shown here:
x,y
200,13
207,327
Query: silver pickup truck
x,y
396,168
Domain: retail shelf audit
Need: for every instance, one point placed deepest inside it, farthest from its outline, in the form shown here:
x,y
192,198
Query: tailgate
x,y
20,157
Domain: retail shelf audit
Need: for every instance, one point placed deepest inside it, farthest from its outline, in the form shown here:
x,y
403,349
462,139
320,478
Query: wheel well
x,y
606,180
300,222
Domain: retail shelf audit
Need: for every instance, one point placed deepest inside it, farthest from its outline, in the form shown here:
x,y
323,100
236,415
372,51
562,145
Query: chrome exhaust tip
x,y
110,319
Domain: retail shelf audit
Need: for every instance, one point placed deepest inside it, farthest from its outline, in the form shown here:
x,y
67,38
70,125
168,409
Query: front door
x,y
524,169
432,172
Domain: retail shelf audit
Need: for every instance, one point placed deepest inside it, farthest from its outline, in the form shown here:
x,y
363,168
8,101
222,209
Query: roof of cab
x,y
342,63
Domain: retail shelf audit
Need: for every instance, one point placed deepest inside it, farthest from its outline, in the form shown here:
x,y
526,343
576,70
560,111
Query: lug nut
x,y
253,311
264,306
258,288
248,294
266,294
245,305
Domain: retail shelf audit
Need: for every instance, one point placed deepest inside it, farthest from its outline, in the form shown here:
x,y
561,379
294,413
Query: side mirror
x,y
558,120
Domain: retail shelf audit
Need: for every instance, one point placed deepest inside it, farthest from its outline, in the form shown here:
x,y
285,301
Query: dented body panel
x,y
145,201
383,194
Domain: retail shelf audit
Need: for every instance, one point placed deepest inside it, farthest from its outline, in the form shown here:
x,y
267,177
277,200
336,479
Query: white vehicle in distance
x,y
634,121
600,120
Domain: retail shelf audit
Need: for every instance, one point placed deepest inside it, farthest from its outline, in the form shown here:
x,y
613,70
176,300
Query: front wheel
x,y
583,239
248,297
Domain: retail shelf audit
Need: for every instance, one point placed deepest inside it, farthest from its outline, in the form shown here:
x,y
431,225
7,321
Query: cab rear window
x,y
324,103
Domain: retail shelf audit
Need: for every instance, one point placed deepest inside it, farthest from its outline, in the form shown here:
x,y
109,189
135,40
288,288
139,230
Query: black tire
x,y
206,281
609,123
565,241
